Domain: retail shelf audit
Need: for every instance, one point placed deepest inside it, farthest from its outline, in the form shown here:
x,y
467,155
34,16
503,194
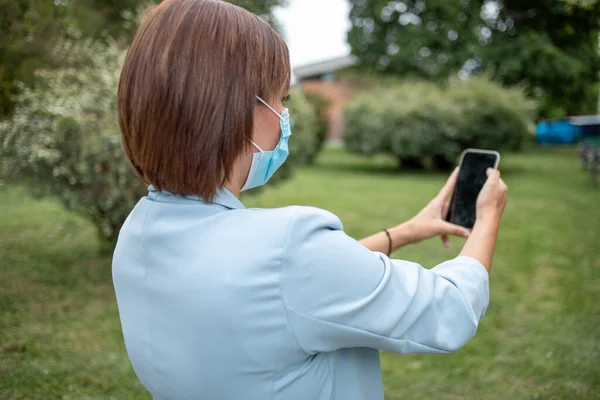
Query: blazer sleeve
x,y
339,294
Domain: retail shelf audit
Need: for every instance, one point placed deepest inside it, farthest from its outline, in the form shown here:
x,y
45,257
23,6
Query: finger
x,y
493,174
446,241
445,208
448,187
456,230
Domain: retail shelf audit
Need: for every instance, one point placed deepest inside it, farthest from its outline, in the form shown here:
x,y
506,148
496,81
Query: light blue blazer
x,y
222,302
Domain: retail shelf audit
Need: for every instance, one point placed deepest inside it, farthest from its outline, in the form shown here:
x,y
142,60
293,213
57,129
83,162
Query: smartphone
x,y
471,177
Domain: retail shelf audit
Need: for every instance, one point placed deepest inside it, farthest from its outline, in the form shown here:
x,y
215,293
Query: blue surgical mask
x,y
265,163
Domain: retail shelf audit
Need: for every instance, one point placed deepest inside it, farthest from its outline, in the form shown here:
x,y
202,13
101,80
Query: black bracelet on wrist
x,y
389,241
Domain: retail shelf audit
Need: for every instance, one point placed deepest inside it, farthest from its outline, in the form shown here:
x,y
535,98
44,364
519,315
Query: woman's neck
x,y
234,189
239,175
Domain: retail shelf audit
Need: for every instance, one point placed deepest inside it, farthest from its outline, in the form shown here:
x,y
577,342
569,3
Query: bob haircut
x,y
187,92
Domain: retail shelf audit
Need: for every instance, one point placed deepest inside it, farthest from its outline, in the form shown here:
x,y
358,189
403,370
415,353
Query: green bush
x,y
422,123
492,116
64,139
365,129
320,104
304,123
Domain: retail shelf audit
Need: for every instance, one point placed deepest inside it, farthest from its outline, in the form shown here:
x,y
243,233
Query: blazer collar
x,y
223,198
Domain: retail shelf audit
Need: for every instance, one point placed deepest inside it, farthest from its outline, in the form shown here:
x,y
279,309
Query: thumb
x,y
493,175
456,230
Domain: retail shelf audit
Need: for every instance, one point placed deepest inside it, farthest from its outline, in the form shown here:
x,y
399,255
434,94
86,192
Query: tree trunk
x,y
107,243
410,163
441,163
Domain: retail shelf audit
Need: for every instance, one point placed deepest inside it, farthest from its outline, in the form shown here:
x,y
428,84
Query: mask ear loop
x,y
269,107
257,148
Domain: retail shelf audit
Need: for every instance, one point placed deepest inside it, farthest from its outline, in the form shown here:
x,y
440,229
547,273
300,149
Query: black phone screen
x,y
471,178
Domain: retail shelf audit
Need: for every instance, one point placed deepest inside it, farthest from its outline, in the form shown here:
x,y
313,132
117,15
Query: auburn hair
x,y
187,90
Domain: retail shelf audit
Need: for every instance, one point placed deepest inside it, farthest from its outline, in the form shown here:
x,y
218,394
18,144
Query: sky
x,y
315,30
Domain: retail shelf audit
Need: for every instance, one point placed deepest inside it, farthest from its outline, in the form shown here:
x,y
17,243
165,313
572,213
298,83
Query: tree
x,y
263,8
30,29
95,17
551,47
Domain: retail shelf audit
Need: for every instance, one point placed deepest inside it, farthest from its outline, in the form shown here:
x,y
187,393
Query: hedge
x,y
422,123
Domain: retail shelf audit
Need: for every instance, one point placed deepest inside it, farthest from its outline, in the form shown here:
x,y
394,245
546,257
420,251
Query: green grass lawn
x,y
60,335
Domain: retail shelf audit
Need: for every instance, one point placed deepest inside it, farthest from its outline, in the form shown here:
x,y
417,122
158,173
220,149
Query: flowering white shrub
x,y
64,138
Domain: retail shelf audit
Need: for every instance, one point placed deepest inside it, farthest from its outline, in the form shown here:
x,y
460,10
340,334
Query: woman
x,y
222,302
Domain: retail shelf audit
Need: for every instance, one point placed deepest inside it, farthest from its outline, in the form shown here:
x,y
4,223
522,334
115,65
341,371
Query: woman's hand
x,y
492,198
490,206
431,220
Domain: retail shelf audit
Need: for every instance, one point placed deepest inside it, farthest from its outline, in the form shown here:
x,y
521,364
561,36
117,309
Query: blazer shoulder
x,y
310,218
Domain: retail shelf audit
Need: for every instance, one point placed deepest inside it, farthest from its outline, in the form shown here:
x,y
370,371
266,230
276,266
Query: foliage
x,y
60,69
30,29
27,30
263,8
561,41
587,4
421,122
321,104
491,116
64,139
304,123
550,47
